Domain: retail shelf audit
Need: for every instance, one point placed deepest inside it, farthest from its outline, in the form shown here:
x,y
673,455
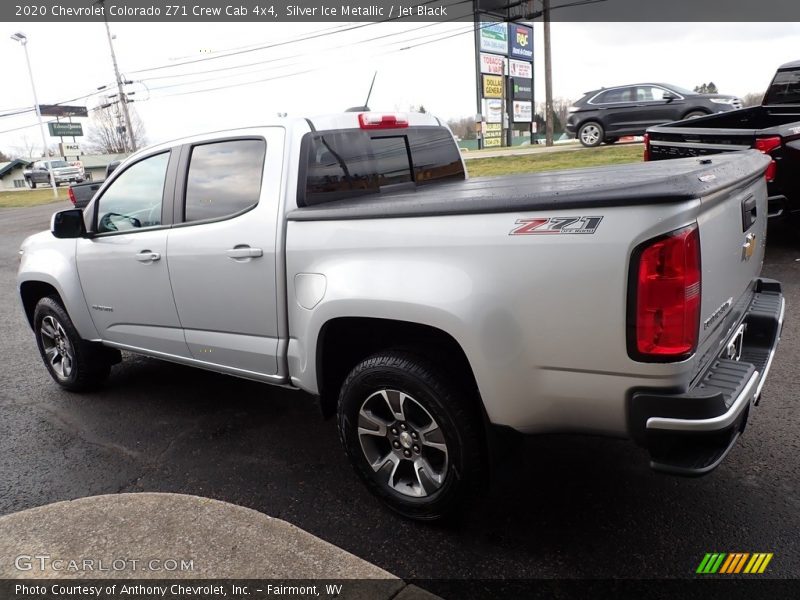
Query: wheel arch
x,y
344,341
31,292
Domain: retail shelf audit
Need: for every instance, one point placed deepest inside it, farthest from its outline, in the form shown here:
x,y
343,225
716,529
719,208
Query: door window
x,y
224,178
133,201
649,93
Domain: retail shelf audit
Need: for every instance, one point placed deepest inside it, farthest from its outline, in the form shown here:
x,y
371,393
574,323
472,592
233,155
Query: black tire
x,y
455,472
591,134
88,362
31,184
695,114
611,140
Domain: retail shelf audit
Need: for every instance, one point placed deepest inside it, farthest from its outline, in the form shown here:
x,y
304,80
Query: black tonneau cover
x,y
619,185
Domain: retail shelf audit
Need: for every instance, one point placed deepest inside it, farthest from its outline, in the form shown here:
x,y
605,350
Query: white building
x,y
11,174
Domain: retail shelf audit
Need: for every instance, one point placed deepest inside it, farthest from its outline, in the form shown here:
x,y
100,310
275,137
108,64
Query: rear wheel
x,y
591,134
73,363
31,184
411,434
695,114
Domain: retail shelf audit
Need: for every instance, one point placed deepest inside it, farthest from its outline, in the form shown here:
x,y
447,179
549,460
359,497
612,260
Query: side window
x,y
134,200
649,94
224,178
617,95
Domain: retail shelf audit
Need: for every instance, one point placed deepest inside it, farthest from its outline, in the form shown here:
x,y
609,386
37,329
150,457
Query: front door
x,y
123,268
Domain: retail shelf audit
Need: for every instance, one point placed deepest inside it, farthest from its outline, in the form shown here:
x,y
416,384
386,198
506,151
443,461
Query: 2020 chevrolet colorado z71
x,y
349,256
773,128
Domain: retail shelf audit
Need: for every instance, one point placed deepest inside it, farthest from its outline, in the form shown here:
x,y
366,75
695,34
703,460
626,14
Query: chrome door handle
x,y
244,252
148,256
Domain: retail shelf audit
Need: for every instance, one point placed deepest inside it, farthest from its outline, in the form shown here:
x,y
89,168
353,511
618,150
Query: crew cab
x,y
63,172
351,257
772,128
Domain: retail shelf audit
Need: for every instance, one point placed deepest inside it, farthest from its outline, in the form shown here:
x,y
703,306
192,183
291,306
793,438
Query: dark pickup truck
x,y
773,128
80,194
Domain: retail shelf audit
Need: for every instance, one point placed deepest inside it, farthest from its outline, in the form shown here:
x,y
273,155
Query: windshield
x,y
784,89
57,164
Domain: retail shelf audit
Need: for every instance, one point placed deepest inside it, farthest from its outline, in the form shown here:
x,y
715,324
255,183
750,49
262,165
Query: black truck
x,y
773,128
81,193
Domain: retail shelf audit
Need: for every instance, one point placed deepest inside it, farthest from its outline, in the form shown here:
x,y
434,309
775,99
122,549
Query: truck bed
x,y
619,185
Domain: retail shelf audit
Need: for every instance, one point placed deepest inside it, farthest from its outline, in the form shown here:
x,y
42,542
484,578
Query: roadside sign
x,y
70,149
494,37
56,110
521,89
520,68
493,135
493,109
523,112
493,64
521,42
493,86
65,129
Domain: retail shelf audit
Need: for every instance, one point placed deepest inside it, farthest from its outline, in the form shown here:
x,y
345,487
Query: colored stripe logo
x,y
734,563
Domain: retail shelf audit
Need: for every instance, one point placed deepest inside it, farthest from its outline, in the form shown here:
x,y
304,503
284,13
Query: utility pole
x,y
548,75
23,40
122,97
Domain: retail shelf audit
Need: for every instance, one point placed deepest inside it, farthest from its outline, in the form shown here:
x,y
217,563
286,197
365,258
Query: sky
x,y
416,63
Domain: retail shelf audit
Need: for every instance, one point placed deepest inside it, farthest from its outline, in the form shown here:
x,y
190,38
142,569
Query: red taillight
x,y
767,145
71,195
646,147
381,121
667,312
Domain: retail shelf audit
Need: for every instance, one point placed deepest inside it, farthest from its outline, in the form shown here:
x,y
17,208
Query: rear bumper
x,y
690,433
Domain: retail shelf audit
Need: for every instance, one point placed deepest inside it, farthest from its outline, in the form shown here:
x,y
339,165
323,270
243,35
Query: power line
x,y
322,33
469,29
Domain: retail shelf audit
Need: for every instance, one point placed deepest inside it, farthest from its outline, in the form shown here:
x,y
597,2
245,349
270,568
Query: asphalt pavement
x,y
559,506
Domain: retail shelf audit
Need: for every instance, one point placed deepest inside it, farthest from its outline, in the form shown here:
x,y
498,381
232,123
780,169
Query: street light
x,y
23,40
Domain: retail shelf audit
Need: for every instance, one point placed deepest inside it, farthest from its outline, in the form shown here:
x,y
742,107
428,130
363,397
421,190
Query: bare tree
x,y
4,157
106,132
464,128
752,99
28,148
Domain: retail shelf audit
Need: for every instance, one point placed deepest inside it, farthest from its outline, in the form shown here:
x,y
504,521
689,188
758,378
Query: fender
x,y
46,259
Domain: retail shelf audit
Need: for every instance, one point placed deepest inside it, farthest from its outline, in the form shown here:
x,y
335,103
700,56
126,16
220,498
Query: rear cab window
x,y
351,163
785,88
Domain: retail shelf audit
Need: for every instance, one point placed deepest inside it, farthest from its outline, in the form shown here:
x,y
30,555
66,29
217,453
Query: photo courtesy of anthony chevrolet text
x,y
399,300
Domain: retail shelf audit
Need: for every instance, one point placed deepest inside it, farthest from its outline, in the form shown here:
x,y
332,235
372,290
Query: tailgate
x,y
680,142
733,226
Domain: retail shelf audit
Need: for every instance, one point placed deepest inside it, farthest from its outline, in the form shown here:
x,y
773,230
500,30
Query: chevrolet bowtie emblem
x,y
749,246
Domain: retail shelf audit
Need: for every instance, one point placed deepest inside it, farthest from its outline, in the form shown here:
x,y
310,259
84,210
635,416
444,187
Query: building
x,y
11,174
94,165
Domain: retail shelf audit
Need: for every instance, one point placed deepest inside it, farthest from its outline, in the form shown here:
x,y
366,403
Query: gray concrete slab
x,y
221,540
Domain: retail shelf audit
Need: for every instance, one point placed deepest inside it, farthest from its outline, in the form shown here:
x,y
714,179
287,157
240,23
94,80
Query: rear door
x,y
617,106
223,251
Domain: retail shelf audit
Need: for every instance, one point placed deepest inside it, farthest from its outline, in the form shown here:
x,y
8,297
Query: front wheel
x,y
591,134
74,363
411,434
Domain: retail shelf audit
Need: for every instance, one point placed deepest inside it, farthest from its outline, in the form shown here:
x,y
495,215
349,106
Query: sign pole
x,y
478,75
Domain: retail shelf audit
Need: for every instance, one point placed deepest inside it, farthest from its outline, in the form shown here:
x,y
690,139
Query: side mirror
x,y
669,96
68,224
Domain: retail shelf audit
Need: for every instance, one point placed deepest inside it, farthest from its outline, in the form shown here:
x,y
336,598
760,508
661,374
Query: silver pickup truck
x,y
351,257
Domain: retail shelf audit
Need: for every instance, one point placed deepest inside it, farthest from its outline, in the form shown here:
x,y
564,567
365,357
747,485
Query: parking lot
x,y
560,506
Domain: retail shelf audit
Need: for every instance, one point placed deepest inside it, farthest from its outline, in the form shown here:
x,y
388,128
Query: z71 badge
x,y
556,225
